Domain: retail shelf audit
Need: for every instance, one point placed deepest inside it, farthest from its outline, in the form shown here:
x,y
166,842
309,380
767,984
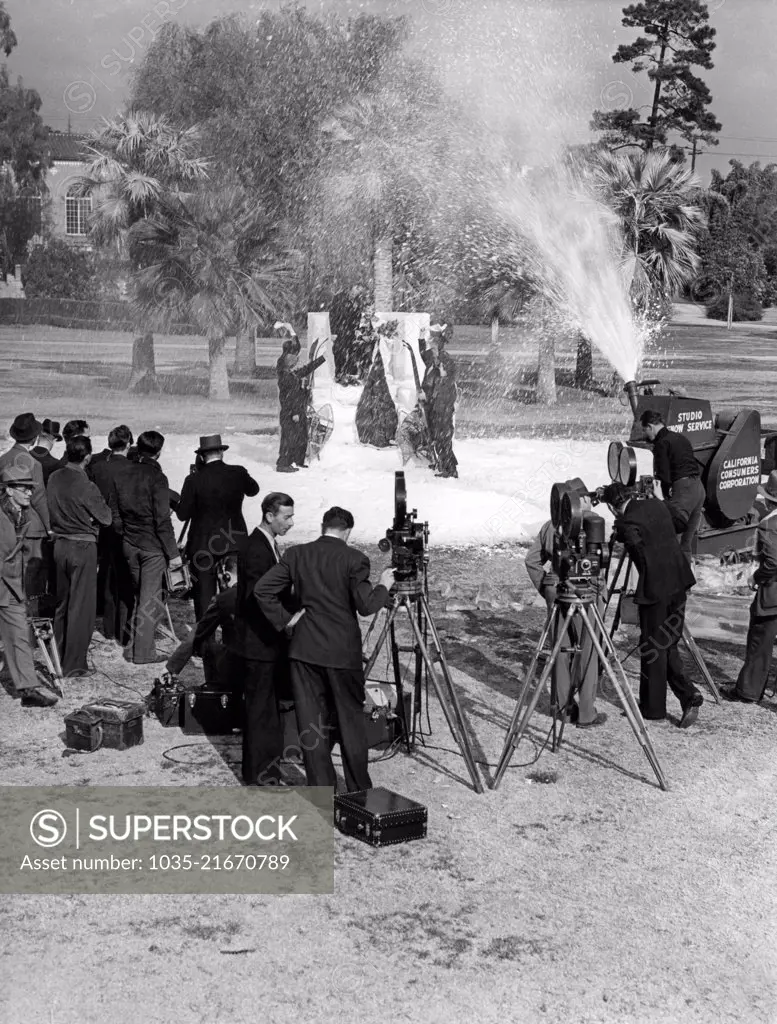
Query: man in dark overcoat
x,y
25,430
331,583
294,395
140,504
212,502
762,630
265,649
647,530
114,582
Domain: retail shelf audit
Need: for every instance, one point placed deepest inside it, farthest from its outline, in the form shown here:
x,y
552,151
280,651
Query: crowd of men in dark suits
x,y
90,536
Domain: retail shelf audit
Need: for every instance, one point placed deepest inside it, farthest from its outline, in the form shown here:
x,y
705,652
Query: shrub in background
x,y
59,271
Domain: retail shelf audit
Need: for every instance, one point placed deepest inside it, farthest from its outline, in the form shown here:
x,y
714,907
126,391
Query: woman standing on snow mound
x,y
439,394
293,395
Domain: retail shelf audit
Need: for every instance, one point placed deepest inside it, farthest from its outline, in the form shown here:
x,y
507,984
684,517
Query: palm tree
x,y
214,258
140,160
385,156
653,200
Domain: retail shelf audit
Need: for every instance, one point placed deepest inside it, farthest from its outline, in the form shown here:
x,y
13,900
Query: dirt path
x,y
577,892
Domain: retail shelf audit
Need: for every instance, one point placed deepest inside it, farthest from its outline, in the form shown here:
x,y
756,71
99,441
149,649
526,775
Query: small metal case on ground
x,y
83,730
380,817
122,722
166,702
208,711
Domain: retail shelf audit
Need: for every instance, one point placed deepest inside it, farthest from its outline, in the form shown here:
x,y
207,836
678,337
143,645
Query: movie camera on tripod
x,y
580,553
407,540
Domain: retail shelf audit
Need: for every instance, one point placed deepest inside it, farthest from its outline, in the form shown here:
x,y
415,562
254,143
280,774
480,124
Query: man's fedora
x,y
51,429
769,491
16,476
211,443
25,428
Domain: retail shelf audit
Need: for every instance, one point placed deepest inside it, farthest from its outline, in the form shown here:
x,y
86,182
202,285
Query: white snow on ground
x,y
502,494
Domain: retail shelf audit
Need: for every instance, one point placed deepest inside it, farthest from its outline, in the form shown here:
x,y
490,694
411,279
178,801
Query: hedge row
x,y
78,313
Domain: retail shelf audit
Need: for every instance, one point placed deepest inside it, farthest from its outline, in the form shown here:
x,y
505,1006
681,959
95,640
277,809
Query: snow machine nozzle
x,y
632,389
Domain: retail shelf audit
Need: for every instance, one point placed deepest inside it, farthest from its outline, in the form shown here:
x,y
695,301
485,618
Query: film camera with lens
x,y
407,540
580,552
622,467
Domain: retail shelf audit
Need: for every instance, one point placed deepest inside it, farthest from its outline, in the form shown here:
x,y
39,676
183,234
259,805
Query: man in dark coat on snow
x,y
293,392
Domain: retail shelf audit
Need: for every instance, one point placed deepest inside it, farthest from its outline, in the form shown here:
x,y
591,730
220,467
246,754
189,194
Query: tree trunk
x,y
218,389
584,366
245,352
730,314
657,91
495,331
382,269
143,375
546,370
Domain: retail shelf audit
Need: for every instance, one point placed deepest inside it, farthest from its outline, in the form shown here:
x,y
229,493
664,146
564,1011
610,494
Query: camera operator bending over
x,y
332,584
222,663
212,499
762,631
140,504
677,470
580,670
647,531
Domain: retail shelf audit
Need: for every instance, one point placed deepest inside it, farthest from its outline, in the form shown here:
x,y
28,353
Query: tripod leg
x,y
370,628
693,647
381,640
528,678
623,689
170,621
516,730
457,726
400,690
44,635
611,586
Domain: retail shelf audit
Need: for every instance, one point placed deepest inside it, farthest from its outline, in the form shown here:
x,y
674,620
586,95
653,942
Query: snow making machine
x,y
729,449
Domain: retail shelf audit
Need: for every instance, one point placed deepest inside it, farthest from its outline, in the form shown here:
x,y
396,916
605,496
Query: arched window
x,y
77,210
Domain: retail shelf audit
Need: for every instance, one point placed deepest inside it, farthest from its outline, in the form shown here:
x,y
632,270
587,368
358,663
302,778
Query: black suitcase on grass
x,y
380,817
208,711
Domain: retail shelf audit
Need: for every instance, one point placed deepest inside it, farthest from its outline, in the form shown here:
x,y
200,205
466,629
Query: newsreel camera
x,y
622,468
407,541
580,553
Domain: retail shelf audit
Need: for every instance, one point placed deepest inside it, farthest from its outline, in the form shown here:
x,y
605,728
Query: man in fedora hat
x,y
16,489
762,631
25,430
212,503
48,437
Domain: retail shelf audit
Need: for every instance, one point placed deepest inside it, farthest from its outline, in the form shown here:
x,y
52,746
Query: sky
x,y
532,68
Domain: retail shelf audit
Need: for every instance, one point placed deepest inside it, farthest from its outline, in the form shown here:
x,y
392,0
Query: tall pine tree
x,y
677,38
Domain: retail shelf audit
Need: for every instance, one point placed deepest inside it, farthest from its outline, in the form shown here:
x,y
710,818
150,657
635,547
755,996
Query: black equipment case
x,y
208,710
121,720
83,730
380,817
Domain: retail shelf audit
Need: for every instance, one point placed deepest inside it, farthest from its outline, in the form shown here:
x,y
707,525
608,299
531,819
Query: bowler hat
x,y
16,476
51,429
25,427
769,492
211,443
